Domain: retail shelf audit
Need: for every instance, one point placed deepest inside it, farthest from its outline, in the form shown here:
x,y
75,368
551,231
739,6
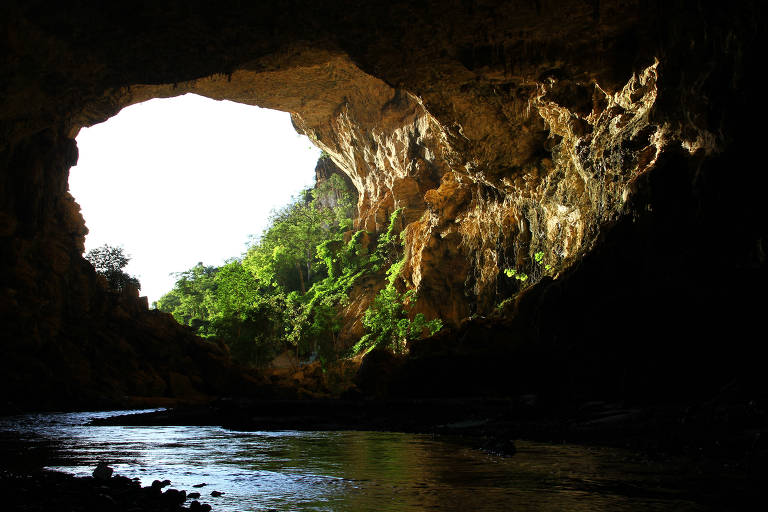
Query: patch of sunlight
x,y
187,179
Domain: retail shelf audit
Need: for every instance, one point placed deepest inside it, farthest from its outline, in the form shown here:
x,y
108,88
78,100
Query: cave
x,y
619,138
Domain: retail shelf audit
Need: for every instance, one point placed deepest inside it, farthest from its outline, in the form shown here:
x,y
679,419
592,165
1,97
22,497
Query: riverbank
x,y
43,490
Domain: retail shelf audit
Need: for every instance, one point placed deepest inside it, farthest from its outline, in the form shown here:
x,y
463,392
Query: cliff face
x,y
596,134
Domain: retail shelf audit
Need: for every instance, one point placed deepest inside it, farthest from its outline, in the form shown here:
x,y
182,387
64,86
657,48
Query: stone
x,y
157,484
175,496
102,471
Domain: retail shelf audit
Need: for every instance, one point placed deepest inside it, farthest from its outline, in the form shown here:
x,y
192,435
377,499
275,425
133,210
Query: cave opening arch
x,y
184,180
470,68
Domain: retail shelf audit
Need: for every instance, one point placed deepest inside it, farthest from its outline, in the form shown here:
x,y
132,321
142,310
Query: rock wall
x,y
504,129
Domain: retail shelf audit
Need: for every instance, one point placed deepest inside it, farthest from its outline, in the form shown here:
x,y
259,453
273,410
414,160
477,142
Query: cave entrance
x,y
187,179
376,138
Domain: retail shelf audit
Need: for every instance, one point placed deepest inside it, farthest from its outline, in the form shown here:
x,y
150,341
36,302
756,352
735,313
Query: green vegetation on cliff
x,y
109,261
288,289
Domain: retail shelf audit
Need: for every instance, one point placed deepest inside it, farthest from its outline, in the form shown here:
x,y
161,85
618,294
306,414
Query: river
x,y
353,471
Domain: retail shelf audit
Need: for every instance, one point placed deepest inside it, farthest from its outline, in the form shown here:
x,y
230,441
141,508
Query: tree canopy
x,y
110,261
287,290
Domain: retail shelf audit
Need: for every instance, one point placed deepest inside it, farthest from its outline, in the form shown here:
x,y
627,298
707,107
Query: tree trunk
x,y
301,278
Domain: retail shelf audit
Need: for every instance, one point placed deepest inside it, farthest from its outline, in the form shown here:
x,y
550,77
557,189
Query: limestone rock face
x,y
504,129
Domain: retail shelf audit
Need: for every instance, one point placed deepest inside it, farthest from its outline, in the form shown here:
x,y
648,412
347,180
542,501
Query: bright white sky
x,y
187,179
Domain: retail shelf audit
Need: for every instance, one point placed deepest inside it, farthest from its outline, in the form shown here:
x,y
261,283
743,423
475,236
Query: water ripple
x,y
356,471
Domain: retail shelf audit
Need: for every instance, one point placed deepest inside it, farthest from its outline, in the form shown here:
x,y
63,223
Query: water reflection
x,y
358,471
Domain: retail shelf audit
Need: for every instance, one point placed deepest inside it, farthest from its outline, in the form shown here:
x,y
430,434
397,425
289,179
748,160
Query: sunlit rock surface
x,y
605,136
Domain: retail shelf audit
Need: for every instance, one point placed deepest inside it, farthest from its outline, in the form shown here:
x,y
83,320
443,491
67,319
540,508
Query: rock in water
x,y
174,496
102,471
159,485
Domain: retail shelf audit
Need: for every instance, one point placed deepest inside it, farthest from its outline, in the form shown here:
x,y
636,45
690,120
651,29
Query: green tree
x,y
110,261
291,242
278,295
190,301
247,316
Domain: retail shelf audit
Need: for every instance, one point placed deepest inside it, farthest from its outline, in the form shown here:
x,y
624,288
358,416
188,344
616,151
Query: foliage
x,y
289,287
503,304
388,324
390,244
539,258
520,276
388,320
110,261
539,269
276,295
191,297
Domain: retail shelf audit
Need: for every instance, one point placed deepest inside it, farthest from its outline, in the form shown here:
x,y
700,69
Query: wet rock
x,y
49,490
123,481
157,484
102,471
175,496
216,494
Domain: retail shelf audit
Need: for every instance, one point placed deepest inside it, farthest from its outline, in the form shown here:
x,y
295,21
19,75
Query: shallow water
x,y
355,471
